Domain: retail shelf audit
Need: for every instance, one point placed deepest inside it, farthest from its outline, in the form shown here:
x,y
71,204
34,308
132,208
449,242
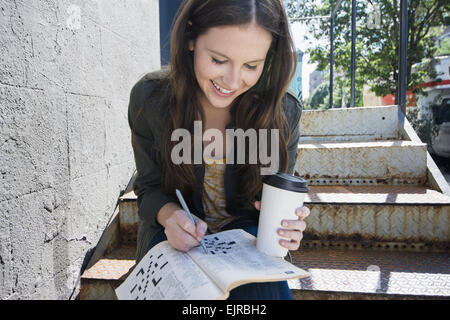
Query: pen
x,y
185,207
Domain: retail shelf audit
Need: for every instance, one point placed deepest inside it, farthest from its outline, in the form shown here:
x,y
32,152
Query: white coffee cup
x,y
282,194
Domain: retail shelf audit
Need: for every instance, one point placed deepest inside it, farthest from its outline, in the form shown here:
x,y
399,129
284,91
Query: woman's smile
x,y
221,91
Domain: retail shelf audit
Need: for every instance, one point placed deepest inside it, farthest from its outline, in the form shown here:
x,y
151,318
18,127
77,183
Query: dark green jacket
x,y
147,109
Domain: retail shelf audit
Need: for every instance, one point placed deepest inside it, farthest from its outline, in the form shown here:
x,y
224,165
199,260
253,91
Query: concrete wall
x,y
66,70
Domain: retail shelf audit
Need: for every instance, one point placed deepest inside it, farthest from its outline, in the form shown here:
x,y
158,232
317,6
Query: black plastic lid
x,y
287,182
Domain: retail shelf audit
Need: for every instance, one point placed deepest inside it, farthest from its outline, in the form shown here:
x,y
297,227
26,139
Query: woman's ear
x,y
191,45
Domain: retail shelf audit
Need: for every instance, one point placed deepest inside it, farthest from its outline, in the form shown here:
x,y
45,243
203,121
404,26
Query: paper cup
x,y
282,194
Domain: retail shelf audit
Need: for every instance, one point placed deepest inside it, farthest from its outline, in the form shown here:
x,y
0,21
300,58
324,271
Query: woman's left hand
x,y
292,229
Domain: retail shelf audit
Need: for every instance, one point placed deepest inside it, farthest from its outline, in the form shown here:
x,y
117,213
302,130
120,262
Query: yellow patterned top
x,y
214,201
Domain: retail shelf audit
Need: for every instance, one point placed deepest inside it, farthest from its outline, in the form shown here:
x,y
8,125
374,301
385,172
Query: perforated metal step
x,y
335,274
102,278
371,274
377,162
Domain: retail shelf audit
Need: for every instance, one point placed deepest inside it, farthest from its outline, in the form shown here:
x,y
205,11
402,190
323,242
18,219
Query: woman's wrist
x,y
165,212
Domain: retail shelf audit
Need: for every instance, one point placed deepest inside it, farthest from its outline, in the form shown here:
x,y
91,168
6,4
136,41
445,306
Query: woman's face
x,y
228,61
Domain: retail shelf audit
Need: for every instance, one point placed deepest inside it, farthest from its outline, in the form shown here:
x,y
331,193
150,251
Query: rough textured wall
x,y
66,70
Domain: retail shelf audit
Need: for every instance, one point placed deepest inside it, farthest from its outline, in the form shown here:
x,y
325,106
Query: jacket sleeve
x,y
293,113
147,185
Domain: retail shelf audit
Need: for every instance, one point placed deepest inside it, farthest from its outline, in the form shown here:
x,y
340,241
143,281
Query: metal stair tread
x,y
128,195
115,265
373,272
370,273
360,144
389,194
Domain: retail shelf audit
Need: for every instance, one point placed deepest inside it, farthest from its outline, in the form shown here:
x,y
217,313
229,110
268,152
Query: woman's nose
x,y
232,79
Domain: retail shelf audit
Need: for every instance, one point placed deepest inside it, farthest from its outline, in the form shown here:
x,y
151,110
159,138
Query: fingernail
x,y
285,224
281,232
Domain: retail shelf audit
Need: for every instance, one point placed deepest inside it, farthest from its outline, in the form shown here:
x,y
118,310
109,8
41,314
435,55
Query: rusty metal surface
x,y
351,243
99,281
343,138
113,266
365,181
376,222
377,213
128,214
129,194
332,295
387,194
110,269
128,221
371,271
98,289
391,160
375,123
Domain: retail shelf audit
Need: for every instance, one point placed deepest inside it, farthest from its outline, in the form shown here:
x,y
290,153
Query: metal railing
x,y
402,61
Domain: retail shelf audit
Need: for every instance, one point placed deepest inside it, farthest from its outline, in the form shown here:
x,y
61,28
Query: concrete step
x,y
363,163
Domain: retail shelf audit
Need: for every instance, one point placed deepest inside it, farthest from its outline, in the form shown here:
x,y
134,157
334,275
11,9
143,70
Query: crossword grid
x,y
146,276
214,246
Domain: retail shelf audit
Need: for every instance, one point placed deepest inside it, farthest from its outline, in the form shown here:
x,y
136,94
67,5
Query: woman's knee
x,y
160,236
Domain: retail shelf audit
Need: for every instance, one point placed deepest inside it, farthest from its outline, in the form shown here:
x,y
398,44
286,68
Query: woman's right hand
x,y
181,233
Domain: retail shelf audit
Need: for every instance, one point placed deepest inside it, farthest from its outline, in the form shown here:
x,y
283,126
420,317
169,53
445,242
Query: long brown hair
x,y
258,108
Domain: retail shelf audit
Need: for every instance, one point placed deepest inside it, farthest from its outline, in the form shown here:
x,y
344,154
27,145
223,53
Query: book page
x,y
233,259
166,273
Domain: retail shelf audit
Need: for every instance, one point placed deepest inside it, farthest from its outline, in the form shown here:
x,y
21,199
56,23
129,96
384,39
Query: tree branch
x,y
428,17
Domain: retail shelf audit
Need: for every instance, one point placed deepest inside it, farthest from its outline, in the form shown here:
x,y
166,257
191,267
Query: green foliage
x,y
377,39
444,47
426,128
319,99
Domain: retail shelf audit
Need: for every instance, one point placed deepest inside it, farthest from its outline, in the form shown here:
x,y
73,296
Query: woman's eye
x,y
222,62
217,61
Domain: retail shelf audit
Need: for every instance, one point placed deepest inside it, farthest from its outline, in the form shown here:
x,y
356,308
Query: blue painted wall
x,y
296,83
167,11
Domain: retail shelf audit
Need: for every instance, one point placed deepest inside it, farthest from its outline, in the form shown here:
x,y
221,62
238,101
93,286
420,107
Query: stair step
x,y
100,280
350,124
377,194
379,214
128,218
371,274
374,213
384,194
379,162
335,274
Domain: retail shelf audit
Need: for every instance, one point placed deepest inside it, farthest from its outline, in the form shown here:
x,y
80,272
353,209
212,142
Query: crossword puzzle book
x,y
232,260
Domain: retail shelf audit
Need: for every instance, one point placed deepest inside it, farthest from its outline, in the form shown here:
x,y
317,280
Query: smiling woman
x,y
231,65
223,70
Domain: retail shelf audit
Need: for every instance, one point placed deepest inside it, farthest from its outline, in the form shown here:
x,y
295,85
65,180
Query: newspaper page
x,y
165,273
233,259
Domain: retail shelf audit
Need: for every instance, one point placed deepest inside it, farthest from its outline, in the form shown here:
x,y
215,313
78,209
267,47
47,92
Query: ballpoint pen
x,y
185,207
